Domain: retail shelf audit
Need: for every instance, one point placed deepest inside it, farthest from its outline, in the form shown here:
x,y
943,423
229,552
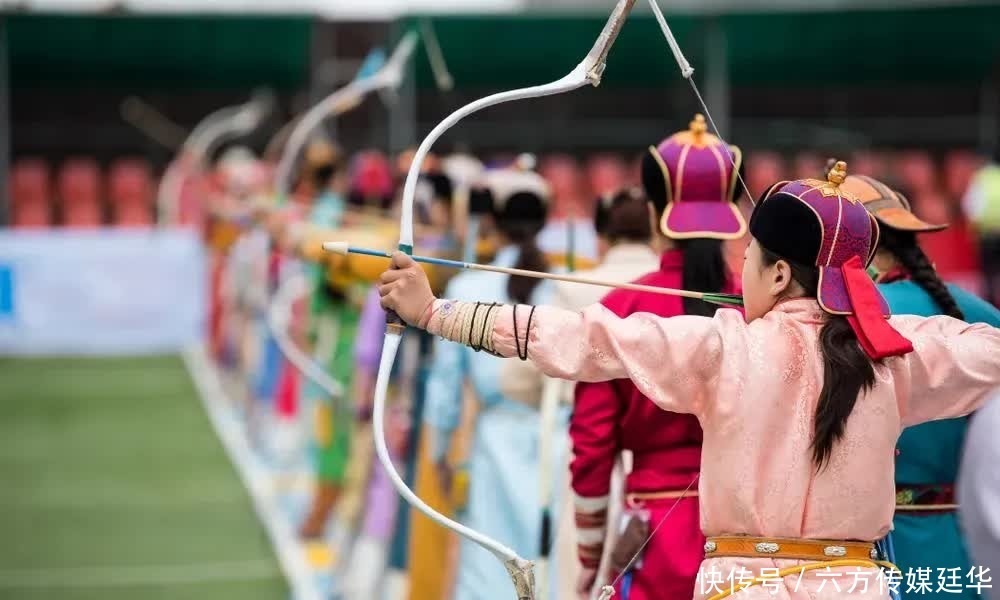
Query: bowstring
x,y
663,519
687,72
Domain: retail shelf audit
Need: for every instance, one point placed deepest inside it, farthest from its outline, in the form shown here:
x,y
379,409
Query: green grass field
x,y
113,485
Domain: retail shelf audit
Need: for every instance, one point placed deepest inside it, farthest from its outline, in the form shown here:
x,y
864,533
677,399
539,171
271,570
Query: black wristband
x,y
517,341
527,333
472,321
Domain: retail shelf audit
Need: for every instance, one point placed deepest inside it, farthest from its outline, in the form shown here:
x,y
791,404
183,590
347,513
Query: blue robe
x,y
929,454
503,463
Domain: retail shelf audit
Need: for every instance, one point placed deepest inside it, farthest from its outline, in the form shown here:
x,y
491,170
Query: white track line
x,y
75,577
290,556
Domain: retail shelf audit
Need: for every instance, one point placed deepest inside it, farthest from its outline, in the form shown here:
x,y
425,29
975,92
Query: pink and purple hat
x,y
691,179
821,223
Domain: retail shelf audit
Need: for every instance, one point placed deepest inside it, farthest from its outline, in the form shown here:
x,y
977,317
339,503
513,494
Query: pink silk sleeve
x,y
952,370
673,361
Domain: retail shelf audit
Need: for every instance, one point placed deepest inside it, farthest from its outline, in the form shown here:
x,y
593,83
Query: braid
x,y
903,245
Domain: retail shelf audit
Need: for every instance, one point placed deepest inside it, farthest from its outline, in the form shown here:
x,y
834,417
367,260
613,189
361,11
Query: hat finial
x,y
698,126
838,173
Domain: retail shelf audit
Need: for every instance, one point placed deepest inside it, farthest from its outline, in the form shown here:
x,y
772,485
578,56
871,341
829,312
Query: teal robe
x,y
928,454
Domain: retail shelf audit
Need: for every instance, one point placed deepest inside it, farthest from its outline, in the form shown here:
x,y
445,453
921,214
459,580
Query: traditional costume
x,y
502,501
691,180
333,322
754,387
926,530
624,261
420,543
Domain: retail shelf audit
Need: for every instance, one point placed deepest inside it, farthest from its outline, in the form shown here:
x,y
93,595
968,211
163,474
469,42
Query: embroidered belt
x,y
788,548
926,498
634,498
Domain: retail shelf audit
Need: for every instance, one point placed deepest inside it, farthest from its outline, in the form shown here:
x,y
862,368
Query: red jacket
x,y
612,416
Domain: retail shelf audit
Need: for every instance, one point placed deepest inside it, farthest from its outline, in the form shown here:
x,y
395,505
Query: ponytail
x,y
847,371
903,246
529,257
704,270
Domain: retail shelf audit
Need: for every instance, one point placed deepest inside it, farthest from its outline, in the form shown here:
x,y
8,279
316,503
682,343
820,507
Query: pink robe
x,y
754,389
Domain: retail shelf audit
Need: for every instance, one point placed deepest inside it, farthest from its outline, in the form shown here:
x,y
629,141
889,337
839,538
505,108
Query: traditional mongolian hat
x,y
888,206
691,179
820,223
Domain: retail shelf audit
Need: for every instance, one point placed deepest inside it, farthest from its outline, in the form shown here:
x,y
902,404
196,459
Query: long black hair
x,y
522,230
903,246
847,371
704,270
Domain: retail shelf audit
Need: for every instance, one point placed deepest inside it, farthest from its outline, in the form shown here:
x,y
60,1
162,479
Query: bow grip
x,y
394,323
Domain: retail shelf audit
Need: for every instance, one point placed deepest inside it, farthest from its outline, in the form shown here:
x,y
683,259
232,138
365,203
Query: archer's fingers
x,y
401,260
391,276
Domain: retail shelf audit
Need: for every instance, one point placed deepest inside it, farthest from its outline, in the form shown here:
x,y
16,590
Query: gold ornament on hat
x,y
838,173
831,187
698,126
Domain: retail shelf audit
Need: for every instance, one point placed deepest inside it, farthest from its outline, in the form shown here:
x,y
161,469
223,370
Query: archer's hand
x,y
404,289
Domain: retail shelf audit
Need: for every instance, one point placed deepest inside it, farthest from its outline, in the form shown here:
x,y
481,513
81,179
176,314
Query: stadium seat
x,y
79,188
960,167
763,169
870,163
30,194
916,172
565,178
130,190
607,173
807,165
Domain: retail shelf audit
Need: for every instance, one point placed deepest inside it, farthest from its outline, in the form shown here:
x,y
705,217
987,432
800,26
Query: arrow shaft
x,y
444,262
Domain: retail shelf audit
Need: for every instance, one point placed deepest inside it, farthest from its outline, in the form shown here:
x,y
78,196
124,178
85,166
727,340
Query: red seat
x,y
809,166
565,179
916,172
80,193
30,194
870,163
763,169
130,189
606,173
960,167
955,254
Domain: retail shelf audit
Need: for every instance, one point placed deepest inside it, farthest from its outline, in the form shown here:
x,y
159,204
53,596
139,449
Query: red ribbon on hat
x,y
877,337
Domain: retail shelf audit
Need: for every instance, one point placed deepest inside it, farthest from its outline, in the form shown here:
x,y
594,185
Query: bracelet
x,y
482,332
517,341
472,323
427,314
486,321
527,333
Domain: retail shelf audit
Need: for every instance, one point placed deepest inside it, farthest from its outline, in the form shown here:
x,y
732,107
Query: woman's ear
x,y
781,278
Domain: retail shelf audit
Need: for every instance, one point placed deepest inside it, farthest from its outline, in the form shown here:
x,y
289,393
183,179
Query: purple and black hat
x,y
691,176
820,223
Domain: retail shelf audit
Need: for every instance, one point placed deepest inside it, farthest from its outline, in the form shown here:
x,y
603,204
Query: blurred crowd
x,y
465,434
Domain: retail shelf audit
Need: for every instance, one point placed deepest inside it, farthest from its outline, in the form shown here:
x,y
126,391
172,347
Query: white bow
x,y
589,71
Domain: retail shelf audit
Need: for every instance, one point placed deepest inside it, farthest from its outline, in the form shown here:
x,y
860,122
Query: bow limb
x,y
588,71
229,122
390,76
279,316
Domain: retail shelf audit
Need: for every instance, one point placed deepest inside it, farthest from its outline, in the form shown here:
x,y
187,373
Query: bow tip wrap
x,y
522,573
597,59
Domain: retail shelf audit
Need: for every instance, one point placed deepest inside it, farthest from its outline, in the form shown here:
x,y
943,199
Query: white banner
x,y
101,292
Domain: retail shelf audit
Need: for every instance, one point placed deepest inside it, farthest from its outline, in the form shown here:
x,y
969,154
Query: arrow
x,y
344,248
